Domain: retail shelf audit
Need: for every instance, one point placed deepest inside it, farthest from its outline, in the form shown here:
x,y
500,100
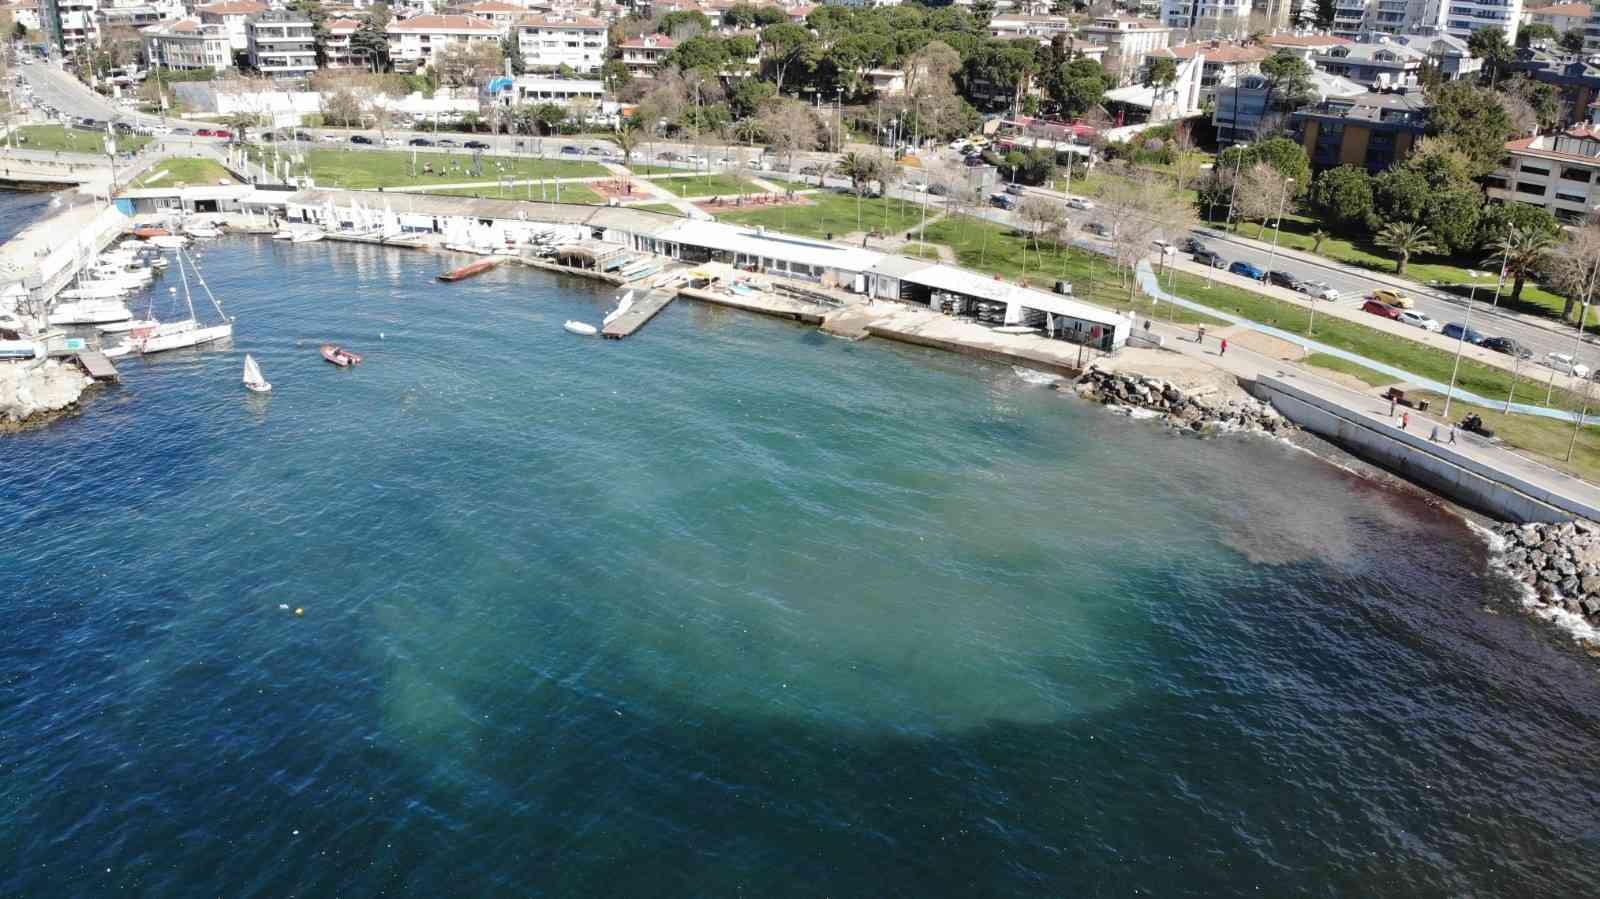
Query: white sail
x,y
252,372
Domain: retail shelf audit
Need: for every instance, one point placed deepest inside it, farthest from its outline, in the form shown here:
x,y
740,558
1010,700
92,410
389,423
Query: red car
x,y
222,132
1383,309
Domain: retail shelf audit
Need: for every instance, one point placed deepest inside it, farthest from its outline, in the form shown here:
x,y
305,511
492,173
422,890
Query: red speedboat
x,y
339,355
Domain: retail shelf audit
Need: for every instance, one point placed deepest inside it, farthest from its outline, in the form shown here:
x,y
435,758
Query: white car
x,y
1322,290
1417,320
332,139
1564,363
391,142
1079,203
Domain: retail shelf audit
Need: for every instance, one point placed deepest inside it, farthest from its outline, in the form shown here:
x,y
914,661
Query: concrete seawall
x,y
1457,475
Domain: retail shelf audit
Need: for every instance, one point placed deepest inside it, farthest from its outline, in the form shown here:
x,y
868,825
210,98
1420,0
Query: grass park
x,y
73,140
568,193
173,172
365,169
707,186
832,213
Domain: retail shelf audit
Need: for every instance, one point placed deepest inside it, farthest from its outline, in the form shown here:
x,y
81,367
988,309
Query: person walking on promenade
x,y
1200,337
1392,398
1224,351
1435,435
1452,433
1405,420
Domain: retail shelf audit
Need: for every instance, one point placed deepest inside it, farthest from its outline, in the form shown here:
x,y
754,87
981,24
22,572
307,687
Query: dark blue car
x,y
1455,330
1248,270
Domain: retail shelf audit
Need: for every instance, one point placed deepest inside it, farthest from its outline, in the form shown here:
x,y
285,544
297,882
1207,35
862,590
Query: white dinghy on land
x,y
252,376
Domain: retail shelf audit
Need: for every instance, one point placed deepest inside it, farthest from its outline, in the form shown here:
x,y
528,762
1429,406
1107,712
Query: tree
x,y
1538,32
1404,239
683,24
1343,198
1324,15
750,95
1489,44
790,128
1289,77
461,63
628,140
511,51
782,46
1522,253
1500,218
1040,215
929,70
1571,270
1162,71
1262,190
1572,41
1473,119
371,40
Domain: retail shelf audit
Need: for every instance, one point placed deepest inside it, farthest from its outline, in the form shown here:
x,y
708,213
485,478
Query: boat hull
x,y
339,355
90,313
581,328
160,343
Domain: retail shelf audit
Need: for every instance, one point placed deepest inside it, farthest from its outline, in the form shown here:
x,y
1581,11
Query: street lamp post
x,y
1461,339
1277,227
1505,259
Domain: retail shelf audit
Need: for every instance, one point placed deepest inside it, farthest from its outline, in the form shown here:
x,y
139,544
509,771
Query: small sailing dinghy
x,y
252,376
577,327
339,355
623,306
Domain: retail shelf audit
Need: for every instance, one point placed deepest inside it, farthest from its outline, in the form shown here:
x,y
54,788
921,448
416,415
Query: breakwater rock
x,y
1560,561
1186,410
33,391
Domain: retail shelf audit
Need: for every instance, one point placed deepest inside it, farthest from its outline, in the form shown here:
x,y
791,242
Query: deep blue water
x,y
733,608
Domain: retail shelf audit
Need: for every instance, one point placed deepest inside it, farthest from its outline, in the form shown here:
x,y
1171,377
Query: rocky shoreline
x,y
33,393
1560,562
1178,408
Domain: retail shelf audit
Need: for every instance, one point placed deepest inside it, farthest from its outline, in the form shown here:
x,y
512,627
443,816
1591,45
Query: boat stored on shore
x,y
467,271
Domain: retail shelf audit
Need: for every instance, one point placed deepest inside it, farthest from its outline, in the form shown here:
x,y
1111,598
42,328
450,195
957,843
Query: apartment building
x,y
188,45
1207,18
496,11
1039,28
1242,115
1305,46
1556,172
135,17
1222,64
643,55
76,24
234,17
1563,17
1373,131
414,42
338,53
1446,53
1455,17
1128,40
550,42
1374,65
282,44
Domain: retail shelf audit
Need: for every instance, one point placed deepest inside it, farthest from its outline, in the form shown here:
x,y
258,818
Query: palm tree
x,y
860,170
628,139
1521,252
1406,238
824,169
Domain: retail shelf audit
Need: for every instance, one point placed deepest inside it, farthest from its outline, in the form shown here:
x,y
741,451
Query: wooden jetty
x,y
98,366
643,309
467,271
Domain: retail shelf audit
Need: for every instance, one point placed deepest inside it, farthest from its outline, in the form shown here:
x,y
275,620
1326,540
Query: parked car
x,y
1015,189
974,161
475,145
420,142
599,151
303,135
446,142
182,131
330,138
1417,320
1211,258
1564,363
1383,309
1283,279
1248,270
1456,330
391,142
1079,203
222,133
809,170
205,132
1322,290
1003,201
1506,345
360,139
938,190
673,157
1165,246
570,150
1190,245
1100,229
1392,297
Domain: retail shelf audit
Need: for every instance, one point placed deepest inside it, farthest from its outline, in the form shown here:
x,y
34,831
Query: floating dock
x,y
98,366
467,271
644,308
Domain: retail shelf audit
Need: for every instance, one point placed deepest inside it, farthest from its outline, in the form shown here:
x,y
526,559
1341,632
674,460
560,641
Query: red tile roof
x,y
1560,9
560,22
233,8
650,41
443,23
1220,53
1305,40
343,25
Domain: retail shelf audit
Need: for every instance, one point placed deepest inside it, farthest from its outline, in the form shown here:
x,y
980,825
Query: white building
x,y
496,11
337,48
188,45
234,17
1127,40
1207,18
282,44
643,55
415,42
539,89
1040,28
1456,17
1557,172
550,42
1563,17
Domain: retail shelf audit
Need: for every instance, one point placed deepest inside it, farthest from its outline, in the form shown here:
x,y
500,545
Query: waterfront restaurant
x,y
768,252
988,300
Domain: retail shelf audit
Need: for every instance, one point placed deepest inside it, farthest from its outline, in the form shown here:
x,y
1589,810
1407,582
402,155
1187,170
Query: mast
x,y
217,304
186,298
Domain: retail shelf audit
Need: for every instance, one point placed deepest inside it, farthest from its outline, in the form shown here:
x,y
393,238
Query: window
x,y
1570,198
1535,170
1582,175
1537,189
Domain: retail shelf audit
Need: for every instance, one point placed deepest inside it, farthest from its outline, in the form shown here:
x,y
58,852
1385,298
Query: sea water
x,y
731,607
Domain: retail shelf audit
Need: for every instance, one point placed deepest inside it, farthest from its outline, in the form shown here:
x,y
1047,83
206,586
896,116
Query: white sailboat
x,y
252,376
93,290
169,241
622,306
131,324
186,332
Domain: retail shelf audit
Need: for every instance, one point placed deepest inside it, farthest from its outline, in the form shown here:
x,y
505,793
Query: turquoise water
x,y
732,607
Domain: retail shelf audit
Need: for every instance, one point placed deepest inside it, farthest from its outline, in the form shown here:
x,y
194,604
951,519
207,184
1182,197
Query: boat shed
x,y
966,294
760,250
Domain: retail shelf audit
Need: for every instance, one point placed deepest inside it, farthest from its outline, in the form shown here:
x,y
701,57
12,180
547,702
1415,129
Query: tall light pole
x,y
1578,425
1233,189
1505,259
1461,339
1278,226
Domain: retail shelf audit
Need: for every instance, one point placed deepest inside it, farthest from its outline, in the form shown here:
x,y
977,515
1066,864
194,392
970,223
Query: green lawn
x,y
834,213
640,168
173,172
1543,438
378,168
570,193
707,186
1334,363
73,140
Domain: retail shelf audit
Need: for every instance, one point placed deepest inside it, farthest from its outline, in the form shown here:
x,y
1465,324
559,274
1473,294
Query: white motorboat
x,y
21,349
204,232
169,241
285,234
577,327
116,350
93,290
89,312
132,324
185,332
307,236
252,376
